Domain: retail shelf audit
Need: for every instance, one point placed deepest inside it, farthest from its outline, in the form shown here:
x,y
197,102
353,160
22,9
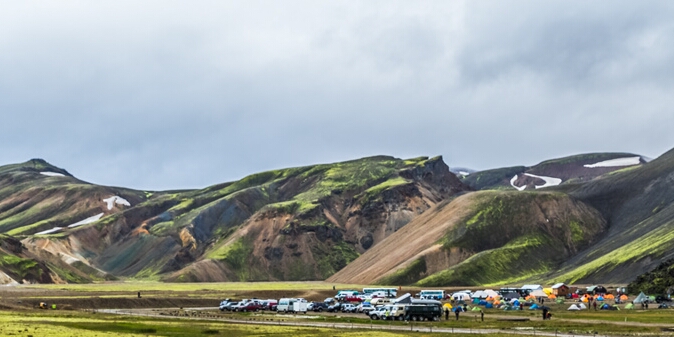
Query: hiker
x,y
482,315
139,294
594,304
549,316
545,313
521,306
465,307
446,314
646,305
456,312
386,314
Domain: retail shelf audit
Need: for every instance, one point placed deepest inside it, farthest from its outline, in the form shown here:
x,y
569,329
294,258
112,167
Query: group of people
x,y
458,310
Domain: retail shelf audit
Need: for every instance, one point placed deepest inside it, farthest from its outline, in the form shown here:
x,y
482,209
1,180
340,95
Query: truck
x,y
422,312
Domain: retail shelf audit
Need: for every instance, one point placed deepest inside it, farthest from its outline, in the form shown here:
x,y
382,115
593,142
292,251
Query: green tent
x,y
560,300
629,306
475,309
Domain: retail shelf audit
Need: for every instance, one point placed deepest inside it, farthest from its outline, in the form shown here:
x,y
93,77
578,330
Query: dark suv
x,y
319,306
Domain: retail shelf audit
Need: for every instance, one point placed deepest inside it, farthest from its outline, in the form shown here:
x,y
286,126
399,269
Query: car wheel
x,y
320,309
400,318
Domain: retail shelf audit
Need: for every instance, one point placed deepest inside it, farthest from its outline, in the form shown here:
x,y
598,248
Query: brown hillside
x,y
418,236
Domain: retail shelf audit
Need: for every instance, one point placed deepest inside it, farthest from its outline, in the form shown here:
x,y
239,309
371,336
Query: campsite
x,y
168,309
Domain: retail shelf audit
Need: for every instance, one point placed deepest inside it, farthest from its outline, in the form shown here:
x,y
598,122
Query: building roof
x,y
532,286
559,285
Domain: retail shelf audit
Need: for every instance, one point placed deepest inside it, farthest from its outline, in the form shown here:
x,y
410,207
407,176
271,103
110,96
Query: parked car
x,y
335,307
250,306
318,306
348,307
364,307
224,305
379,312
269,304
236,306
329,301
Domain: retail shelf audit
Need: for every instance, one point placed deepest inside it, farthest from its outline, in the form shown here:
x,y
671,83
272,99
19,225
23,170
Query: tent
x,y
491,293
560,301
600,298
538,293
552,297
642,298
623,298
574,296
582,306
573,307
476,309
489,306
533,306
629,306
547,291
483,302
480,294
448,306
476,300
609,297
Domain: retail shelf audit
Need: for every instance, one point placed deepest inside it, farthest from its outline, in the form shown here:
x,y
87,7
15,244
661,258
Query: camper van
x,y
432,295
343,294
292,305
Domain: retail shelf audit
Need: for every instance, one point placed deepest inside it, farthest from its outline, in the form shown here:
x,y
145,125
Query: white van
x,y
292,305
380,301
342,294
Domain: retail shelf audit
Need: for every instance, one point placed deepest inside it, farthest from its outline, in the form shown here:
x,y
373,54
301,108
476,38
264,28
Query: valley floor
x,y
189,309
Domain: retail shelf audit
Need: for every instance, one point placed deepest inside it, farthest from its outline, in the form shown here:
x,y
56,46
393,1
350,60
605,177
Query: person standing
x,y
482,315
446,314
545,313
594,304
456,312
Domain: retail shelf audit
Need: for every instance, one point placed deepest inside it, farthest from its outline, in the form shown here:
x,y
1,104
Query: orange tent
x,y
609,297
552,297
623,298
584,299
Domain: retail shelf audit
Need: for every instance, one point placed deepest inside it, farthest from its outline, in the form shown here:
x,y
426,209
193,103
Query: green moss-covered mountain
x,y
606,227
658,281
292,224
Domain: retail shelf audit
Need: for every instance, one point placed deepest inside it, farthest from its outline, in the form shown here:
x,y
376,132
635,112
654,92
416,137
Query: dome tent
x,y
573,307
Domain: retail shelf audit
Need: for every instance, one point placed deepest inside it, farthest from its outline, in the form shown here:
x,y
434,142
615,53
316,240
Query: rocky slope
x,y
291,224
608,227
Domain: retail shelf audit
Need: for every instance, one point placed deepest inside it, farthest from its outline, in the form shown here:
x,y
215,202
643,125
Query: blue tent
x,y
533,306
516,303
489,306
483,302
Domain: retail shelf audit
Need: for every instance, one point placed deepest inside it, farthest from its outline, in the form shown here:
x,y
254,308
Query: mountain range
x,y
603,217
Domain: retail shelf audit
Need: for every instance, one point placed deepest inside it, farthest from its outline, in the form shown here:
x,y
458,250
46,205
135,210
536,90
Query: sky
x,y
185,94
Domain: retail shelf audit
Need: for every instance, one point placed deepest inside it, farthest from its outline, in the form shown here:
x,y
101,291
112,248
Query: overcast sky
x,y
166,94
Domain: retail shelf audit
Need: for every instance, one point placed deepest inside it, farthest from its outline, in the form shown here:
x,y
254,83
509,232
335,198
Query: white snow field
x,y
87,220
549,181
512,183
52,174
50,231
116,200
628,161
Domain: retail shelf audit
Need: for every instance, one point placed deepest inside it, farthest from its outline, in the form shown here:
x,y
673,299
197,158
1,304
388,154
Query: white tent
x,y
479,294
641,298
538,293
582,306
573,307
491,293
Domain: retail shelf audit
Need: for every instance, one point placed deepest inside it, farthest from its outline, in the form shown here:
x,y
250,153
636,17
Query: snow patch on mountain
x,y
512,183
52,174
49,231
116,200
549,181
87,220
628,161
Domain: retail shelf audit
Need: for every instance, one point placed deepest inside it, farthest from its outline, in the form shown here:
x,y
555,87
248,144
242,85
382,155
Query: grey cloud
x,y
160,95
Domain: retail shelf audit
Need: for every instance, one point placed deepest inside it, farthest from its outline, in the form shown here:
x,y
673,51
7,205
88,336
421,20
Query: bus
x,y
432,295
393,292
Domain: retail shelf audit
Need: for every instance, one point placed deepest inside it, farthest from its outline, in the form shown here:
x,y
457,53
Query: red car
x,y
250,306
353,299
